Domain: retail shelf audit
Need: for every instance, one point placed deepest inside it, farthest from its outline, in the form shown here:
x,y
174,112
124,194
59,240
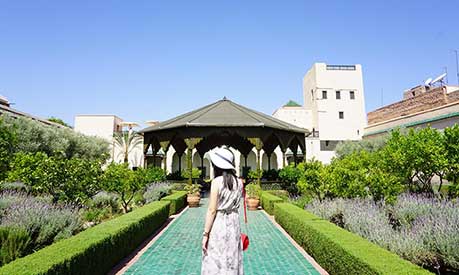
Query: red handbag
x,y
244,237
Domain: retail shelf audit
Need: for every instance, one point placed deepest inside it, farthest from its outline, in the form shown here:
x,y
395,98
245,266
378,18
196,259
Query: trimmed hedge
x,y
97,249
177,200
339,251
268,200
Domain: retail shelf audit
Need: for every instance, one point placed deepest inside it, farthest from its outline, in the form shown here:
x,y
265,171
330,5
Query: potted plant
x,y
193,194
253,196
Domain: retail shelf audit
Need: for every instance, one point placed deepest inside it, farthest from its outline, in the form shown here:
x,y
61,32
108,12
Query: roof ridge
x,y
209,109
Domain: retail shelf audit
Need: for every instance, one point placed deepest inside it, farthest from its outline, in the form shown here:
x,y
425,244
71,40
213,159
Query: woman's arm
x,y
211,212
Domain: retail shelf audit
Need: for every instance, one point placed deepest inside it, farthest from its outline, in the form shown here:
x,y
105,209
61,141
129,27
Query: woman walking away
x,y
221,243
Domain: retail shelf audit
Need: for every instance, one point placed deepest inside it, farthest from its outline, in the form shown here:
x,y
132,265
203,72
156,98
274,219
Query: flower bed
x,y
422,230
337,250
97,249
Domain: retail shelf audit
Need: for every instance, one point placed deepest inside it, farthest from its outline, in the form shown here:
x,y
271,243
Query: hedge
x,y
268,200
339,251
177,200
95,250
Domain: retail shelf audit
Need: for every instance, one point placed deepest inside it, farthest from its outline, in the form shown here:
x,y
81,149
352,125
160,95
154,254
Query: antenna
x,y
428,81
439,79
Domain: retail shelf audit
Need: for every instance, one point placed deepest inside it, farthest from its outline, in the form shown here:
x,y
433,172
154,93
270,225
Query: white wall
x,y
298,116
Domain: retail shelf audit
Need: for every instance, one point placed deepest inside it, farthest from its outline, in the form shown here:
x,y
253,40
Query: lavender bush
x,y
420,229
155,191
44,222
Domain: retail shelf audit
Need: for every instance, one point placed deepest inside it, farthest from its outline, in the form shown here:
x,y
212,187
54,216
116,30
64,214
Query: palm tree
x,y
126,141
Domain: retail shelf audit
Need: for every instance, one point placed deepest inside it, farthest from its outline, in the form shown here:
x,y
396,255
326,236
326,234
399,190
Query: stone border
x,y
127,262
300,249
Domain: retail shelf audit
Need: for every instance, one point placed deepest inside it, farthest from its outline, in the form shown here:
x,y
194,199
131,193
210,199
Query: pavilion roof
x,y
224,113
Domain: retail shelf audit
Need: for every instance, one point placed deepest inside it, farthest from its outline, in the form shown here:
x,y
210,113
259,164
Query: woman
x,y
221,243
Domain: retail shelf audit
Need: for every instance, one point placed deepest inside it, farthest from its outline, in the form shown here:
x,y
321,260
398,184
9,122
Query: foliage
x,y
97,249
154,174
420,229
337,250
272,174
300,201
311,180
289,176
177,200
58,121
253,190
177,175
72,180
8,141
254,175
33,137
14,243
178,186
156,191
271,186
450,141
13,186
126,142
45,223
101,206
348,147
195,173
118,178
267,201
192,189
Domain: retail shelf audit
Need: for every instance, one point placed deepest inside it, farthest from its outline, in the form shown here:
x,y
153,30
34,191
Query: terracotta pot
x,y
193,200
253,203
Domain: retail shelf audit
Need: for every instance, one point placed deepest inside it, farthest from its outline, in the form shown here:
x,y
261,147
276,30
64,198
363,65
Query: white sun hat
x,y
222,158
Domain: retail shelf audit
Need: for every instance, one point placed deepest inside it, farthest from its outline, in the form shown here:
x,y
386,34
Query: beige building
x,y
105,126
420,107
333,110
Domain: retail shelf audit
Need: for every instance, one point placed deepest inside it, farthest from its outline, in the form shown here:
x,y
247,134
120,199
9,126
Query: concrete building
x,y
333,110
420,107
105,126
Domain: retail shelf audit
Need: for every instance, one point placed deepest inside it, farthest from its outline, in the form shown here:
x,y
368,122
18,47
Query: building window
x,y
341,67
324,94
352,94
341,115
338,94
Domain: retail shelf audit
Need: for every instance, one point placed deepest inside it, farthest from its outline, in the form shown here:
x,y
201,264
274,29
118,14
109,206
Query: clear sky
x,y
146,60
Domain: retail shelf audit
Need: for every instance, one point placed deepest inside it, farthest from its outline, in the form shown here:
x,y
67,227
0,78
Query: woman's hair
x,y
228,176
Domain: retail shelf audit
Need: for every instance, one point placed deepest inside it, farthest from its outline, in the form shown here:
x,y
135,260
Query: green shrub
x,y
8,141
337,250
267,201
253,190
289,176
95,250
14,243
34,136
177,200
71,180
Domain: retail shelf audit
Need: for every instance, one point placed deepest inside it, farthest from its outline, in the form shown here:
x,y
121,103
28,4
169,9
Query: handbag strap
x,y
243,196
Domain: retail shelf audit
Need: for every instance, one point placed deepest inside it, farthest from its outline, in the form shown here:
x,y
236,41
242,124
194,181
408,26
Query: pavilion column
x,y
258,143
295,157
190,144
165,146
202,166
180,162
269,161
245,160
283,157
145,150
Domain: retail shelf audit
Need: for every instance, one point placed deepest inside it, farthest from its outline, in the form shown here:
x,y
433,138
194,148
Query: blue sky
x,y
145,60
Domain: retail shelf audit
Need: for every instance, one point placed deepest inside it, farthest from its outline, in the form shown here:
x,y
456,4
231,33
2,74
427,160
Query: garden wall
x,y
97,249
337,250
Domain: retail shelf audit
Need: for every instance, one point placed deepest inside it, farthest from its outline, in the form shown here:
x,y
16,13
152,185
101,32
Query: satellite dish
x,y
428,81
439,78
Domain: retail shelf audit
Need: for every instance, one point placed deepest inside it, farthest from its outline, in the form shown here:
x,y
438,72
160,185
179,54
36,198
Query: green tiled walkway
x,y
178,249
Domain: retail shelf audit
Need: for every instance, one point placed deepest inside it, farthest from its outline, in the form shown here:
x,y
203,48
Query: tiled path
x,y
178,249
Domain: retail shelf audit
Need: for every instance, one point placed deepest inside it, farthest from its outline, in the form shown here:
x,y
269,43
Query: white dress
x,y
224,248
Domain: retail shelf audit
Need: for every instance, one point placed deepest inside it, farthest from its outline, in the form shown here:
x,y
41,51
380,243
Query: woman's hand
x,y
205,240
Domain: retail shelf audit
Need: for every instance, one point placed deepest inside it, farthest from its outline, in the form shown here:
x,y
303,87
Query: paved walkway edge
x,y
295,244
127,262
